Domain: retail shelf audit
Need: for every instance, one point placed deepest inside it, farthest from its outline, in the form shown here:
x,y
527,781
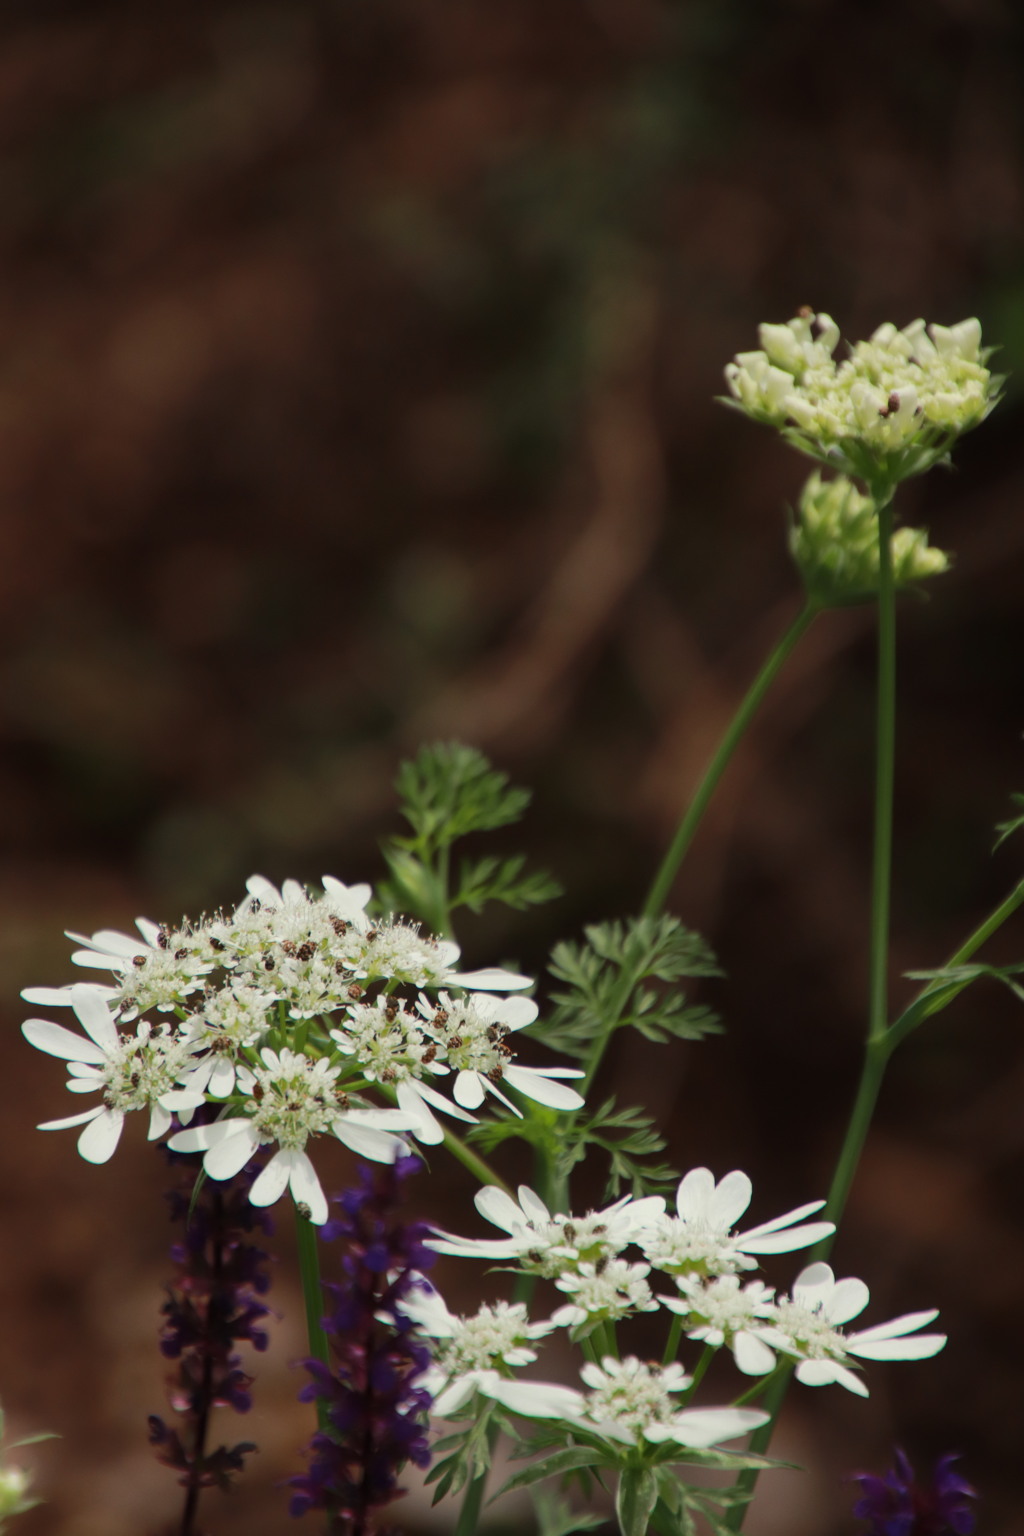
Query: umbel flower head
x,y
834,541
899,1505
288,1014
891,409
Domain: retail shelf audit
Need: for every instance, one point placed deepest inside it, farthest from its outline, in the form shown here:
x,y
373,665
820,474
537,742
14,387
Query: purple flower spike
x,y
375,1413
212,1305
898,1505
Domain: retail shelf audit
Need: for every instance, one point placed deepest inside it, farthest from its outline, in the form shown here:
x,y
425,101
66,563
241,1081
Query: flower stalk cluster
x,y
212,1306
372,1390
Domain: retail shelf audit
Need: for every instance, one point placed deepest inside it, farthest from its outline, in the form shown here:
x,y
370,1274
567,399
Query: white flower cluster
x,y
708,1259
890,409
286,1014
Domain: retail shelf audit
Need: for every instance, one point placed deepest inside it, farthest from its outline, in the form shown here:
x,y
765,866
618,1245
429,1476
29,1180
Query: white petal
x,y
921,1346
110,942
260,887
497,1206
533,1082
378,1146
469,1090
57,997
787,1220
702,1427
816,1278
491,980
535,1399
91,1007
455,1396
532,1205
306,1188
159,1122
516,1012
99,1140
202,1137
84,1084
849,1299
786,1242
230,1155
55,1040
731,1199
899,1325
426,1128
817,1373
222,1078
752,1357
68,1120
694,1194
273,1181
431,1096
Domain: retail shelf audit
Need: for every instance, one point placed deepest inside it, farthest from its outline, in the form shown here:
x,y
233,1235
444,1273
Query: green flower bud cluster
x,y
890,410
834,542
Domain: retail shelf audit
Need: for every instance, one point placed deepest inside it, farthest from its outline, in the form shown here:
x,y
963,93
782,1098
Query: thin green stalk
x,y
312,1293
675,1333
707,1354
662,883
885,754
669,867
470,1159
878,1048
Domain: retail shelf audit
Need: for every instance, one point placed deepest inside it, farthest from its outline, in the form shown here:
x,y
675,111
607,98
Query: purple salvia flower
x,y
212,1306
898,1505
375,1414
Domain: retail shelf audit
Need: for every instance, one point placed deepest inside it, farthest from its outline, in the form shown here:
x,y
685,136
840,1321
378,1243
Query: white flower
x,y
471,1348
700,1239
470,1034
157,971
899,398
231,1020
396,950
291,1099
604,1292
551,1245
807,1327
137,1071
630,1402
390,1047
720,1312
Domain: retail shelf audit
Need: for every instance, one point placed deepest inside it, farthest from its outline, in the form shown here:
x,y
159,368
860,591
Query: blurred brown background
x,y
356,378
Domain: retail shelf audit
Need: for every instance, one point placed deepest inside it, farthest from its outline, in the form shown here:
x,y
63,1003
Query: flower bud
x,y
835,545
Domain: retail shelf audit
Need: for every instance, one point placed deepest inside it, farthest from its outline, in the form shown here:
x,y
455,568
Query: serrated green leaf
x,y
492,879
604,984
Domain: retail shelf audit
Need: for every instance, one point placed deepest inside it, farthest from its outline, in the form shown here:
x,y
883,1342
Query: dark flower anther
x,y
375,1413
899,1505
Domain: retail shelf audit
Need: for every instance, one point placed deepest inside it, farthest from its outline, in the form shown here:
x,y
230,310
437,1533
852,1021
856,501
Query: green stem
x,y
662,883
878,1046
309,1268
708,1353
885,742
669,868
476,1165
675,1333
